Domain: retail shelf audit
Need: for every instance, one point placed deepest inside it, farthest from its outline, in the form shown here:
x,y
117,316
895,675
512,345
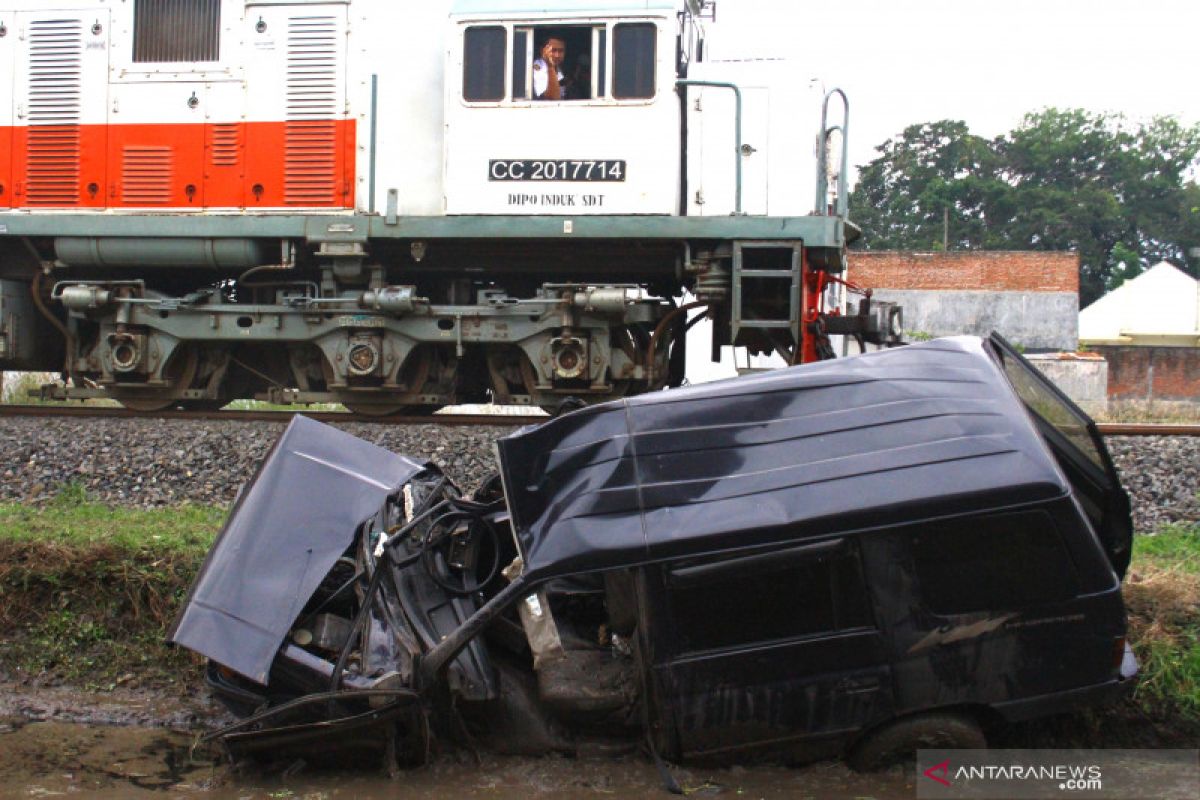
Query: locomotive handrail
x,y
374,137
823,156
737,132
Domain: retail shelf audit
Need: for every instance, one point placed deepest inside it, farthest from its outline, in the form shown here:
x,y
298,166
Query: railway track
x,y
110,412
499,420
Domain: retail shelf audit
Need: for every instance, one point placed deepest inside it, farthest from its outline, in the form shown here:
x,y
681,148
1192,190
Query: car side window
x,y
768,597
993,563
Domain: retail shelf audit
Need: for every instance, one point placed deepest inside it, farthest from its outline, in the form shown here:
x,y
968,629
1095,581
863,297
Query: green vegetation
x,y
262,405
21,388
71,520
90,589
1162,592
1123,194
1159,411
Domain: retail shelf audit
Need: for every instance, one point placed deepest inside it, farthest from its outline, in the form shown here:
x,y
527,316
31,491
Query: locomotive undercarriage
x,y
335,312
343,333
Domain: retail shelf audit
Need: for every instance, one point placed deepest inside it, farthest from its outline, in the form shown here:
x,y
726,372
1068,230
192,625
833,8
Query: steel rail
x,y
1148,429
497,420
478,420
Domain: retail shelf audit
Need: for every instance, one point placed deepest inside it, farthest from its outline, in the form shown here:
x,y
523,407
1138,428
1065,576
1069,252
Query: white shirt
x,y
541,77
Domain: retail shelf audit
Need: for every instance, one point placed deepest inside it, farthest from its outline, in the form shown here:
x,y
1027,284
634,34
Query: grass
x,y
1161,411
1162,594
89,590
71,520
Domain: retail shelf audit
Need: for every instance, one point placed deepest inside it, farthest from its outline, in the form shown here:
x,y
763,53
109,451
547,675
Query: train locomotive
x,y
381,205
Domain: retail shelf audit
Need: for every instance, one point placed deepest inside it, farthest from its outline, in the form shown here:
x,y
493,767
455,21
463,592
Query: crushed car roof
x,y
295,518
884,438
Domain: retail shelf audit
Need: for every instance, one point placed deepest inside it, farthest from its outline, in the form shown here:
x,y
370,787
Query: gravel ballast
x,y
163,462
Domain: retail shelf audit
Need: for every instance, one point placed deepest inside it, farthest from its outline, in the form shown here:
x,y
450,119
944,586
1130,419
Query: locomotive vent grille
x,y
310,137
53,142
146,174
226,144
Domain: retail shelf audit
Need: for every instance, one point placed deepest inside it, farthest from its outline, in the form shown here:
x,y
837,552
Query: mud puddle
x,y
53,758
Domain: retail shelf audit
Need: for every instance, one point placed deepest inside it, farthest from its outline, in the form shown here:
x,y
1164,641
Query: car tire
x,y
899,741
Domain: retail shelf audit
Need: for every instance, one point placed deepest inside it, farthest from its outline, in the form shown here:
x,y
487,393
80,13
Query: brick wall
x,y
1152,373
997,271
1032,298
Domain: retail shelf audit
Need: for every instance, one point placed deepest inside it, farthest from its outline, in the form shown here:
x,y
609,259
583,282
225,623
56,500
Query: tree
x,y
902,197
1120,194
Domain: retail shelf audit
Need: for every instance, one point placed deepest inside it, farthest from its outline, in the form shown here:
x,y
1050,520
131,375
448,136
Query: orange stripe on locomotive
x,y
298,164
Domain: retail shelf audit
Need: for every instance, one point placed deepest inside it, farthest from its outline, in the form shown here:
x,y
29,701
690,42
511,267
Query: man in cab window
x,y
548,76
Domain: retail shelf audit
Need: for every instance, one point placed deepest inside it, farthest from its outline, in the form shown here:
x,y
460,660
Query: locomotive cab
x,y
598,136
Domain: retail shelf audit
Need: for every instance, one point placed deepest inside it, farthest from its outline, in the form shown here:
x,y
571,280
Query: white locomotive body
x,y
395,206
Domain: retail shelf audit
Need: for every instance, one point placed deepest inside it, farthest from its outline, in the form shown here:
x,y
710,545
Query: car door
x,y
768,649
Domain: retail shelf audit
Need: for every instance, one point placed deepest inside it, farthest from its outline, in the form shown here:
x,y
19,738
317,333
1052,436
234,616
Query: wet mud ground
x,y
56,742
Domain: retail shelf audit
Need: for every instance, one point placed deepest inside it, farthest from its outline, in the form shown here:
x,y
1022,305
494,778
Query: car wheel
x,y
899,740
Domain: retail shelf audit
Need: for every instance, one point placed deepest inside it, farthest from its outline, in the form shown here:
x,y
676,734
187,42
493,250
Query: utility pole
x,y
945,228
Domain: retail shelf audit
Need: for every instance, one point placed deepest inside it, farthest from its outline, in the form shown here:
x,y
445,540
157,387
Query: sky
x,y
985,62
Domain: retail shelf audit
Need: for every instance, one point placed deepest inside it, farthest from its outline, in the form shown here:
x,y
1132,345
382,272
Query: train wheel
x,y
414,374
146,403
180,372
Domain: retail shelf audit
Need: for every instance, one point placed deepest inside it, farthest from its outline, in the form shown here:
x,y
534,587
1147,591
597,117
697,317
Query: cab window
x,y
484,52
559,62
570,48
633,61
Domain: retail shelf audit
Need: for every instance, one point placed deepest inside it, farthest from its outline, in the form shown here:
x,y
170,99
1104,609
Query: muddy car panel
x,y
781,562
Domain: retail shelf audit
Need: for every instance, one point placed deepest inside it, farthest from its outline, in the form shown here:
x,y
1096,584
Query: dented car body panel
x,y
781,563
286,530
776,457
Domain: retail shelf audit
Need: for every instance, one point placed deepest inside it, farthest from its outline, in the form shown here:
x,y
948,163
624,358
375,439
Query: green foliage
x,y
1173,546
1118,193
1162,593
72,520
23,388
90,590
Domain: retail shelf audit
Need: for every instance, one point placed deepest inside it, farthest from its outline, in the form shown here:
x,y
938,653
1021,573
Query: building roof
x,y
1160,306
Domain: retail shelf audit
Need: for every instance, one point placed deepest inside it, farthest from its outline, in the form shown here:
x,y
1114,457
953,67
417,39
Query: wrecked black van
x,y
845,558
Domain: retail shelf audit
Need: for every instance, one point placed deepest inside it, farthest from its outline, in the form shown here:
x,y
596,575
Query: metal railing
x,y
823,156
